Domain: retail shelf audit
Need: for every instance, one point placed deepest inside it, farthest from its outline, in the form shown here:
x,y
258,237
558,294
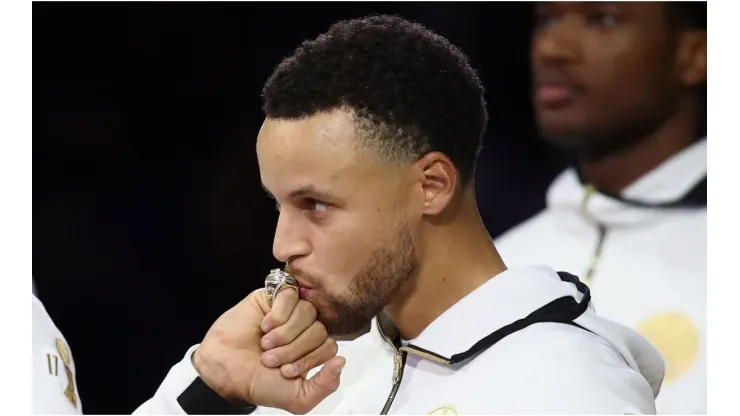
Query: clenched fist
x,y
260,355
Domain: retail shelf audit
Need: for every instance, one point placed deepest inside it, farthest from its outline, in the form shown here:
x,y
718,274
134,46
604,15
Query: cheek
x,y
342,248
623,72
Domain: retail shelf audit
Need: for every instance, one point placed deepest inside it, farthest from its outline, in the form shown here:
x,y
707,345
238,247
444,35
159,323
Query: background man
x,y
623,87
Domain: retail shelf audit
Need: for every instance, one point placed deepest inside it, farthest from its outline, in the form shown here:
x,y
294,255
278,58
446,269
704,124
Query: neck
x,y
615,172
460,258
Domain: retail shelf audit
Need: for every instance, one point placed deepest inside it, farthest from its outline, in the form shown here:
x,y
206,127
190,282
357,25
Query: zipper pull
x,y
588,191
397,367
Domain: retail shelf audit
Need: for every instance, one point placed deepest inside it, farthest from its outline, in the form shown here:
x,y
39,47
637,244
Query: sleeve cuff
x,y
184,390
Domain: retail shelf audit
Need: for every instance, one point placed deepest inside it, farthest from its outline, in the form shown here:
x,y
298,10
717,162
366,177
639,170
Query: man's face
x,y
342,229
603,73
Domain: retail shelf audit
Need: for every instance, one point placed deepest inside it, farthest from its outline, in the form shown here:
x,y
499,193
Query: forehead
x,y
310,139
319,150
648,10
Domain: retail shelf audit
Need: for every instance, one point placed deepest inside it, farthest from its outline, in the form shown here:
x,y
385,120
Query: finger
x,y
308,362
320,386
281,309
292,350
303,317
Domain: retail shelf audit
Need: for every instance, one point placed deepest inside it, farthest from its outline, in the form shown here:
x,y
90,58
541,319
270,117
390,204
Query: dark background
x,y
149,218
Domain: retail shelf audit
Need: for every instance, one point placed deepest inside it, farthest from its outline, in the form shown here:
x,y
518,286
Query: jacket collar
x,y
503,304
678,183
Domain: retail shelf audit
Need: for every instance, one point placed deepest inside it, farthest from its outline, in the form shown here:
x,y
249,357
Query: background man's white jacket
x,y
464,362
650,273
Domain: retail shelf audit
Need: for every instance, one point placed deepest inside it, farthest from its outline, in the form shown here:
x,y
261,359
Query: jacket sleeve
x,y
183,393
54,385
582,381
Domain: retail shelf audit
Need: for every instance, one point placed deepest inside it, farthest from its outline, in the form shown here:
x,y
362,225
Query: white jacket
x,y
53,383
650,273
520,344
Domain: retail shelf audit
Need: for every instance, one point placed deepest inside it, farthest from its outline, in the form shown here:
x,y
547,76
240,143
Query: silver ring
x,y
276,281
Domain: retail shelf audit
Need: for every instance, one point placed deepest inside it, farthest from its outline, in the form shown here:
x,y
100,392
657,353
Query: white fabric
x,y
164,401
548,368
652,272
49,377
50,380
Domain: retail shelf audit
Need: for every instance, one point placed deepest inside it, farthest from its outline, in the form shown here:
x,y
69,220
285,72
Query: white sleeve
x,y
183,393
54,386
53,380
589,379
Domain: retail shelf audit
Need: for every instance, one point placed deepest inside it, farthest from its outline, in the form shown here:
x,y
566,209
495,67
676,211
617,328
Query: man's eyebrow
x,y
312,192
306,191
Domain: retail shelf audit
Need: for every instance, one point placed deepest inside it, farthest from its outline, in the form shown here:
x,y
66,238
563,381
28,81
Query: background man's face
x,y
603,73
342,228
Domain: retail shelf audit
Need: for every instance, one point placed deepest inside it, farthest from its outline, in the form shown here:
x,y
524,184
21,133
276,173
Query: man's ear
x,y
692,58
439,181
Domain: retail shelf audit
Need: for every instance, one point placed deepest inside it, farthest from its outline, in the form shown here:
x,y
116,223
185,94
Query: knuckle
x,y
325,351
285,355
284,302
278,336
305,365
306,307
333,347
307,362
288,294
275,318
271,320
320,330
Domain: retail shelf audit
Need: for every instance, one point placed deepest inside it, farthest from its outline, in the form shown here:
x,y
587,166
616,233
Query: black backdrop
x,y
149,218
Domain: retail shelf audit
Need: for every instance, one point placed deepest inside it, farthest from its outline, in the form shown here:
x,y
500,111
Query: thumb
x,y
321,385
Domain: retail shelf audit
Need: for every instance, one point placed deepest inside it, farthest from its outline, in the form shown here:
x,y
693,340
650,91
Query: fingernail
x,y
266,327
291,369
271,360
267,344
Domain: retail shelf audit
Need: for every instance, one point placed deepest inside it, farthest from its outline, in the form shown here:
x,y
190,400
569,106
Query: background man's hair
x,y
689,14
411,91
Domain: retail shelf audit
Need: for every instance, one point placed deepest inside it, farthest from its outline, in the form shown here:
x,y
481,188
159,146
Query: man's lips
x,y
554,87
304,292
554,94
302,282
304,287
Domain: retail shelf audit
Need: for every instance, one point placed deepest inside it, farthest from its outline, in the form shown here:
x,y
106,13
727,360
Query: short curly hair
x,y
410,90
689,14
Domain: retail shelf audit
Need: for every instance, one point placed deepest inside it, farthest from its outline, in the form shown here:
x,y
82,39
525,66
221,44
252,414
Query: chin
x,y
566,140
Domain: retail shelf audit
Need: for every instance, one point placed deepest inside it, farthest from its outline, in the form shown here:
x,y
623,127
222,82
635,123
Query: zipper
x,y
596,256
399,359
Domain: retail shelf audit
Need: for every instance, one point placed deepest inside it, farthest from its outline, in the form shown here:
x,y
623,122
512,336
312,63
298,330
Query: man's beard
x,y
380,280
594,143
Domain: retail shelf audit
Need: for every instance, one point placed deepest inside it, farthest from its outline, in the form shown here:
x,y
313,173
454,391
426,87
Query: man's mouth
x,y
555,87
304,292
554,94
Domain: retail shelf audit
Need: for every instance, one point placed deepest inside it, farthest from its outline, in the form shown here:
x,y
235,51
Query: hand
x,y
231,359
295,341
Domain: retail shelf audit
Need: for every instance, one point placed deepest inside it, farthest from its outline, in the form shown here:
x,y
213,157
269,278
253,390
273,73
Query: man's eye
x,y
318,206
603,19
544,20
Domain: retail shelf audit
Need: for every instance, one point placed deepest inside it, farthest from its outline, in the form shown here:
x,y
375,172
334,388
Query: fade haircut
x,y
409,90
